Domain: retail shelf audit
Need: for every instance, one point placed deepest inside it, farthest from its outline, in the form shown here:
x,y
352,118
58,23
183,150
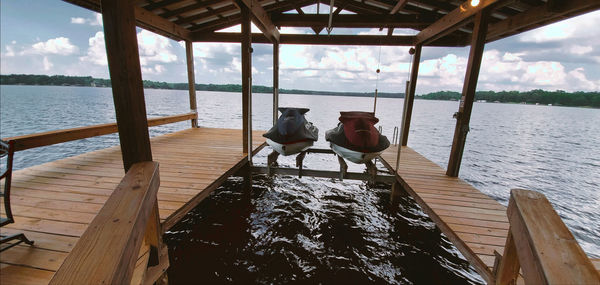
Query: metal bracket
x,y
271,161
299,160
371,170
343,167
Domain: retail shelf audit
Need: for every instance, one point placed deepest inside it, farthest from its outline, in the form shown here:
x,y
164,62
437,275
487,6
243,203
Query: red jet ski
x,y
355,138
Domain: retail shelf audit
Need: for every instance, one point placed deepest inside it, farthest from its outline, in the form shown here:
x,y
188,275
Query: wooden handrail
x,y
541,245
120,236
61,136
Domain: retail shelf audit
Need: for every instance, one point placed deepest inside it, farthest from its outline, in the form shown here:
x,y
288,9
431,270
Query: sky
x,y
56,38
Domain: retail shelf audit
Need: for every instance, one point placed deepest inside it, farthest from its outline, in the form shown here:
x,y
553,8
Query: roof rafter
x,y
207,14
262,19
144,19
453,20
189,8
368,40
351,21
538,16
398,6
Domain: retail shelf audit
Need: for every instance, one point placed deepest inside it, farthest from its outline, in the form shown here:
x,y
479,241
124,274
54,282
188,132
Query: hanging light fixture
x,y
474,3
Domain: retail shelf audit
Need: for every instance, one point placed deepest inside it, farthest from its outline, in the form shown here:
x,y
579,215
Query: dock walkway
x,y
54,202
475,223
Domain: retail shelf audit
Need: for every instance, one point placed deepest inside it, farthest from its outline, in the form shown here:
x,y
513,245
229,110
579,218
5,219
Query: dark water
x,y
317,230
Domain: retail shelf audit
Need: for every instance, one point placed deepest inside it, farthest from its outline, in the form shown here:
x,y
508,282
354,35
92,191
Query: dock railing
x,y
541,245
60,136
122,245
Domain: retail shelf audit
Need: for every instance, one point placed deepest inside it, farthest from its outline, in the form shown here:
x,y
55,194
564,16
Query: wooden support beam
x,y
107,251
548,252
409,97
159,4
126,78
463,117
539,16
60,136
144,19
508,269
189,8
366,40
352,21
149,21
317,29
398,6
452,21
246,80
262,20
189,55
207,14
275,81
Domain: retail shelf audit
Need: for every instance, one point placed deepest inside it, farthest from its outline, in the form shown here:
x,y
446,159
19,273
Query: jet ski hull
x,y
292,133
354,156
355,138
289,149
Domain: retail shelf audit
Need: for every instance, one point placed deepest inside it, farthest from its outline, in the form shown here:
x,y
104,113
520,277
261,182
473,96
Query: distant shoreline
x,y
533,97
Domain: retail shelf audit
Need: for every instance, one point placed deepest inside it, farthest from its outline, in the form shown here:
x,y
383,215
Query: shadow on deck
x,y
54,202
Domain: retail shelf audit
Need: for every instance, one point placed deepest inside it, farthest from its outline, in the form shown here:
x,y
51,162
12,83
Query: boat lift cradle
x,y
371,176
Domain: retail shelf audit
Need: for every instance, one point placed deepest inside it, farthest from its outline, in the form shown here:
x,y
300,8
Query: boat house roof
x,y
438,22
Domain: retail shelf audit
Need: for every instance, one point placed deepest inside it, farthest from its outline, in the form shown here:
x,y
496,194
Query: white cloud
x,y
78,20
374,32
47,64
96,53
96,21
154,48
204,50
545,73
10,51
60,46
554,32
578,77
156,69
581,27
580,50
295,30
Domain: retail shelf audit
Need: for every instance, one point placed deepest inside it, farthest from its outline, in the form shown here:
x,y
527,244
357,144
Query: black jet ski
x,y
355,138
292,133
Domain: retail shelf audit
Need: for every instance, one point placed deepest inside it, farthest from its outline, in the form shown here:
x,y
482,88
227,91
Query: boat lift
x,y
372,175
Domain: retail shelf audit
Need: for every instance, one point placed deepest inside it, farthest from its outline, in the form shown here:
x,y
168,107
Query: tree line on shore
x,y
62,80
537,96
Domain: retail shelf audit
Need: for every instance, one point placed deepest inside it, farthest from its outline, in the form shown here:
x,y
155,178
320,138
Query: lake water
x,y
321,230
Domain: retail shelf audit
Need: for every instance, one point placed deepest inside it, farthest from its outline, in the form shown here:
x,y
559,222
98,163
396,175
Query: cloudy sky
x,y
52,37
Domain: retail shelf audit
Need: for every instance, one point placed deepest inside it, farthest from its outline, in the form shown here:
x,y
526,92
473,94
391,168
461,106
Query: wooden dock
x,y
475,223
53,203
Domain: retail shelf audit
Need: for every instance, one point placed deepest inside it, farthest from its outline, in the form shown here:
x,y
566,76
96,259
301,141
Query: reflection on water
x,y
307,230
321,226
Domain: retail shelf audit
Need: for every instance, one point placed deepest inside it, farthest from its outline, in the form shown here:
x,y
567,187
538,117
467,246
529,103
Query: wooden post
x,y
409,97
395,193
547,251
468,94
508,270
126,77
189,54
246,79
275,81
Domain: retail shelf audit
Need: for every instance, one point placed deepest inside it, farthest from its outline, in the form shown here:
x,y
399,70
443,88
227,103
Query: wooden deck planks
x,y
53,203
474,222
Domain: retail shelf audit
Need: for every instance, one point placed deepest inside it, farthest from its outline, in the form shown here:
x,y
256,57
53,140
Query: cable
x,y
377,81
